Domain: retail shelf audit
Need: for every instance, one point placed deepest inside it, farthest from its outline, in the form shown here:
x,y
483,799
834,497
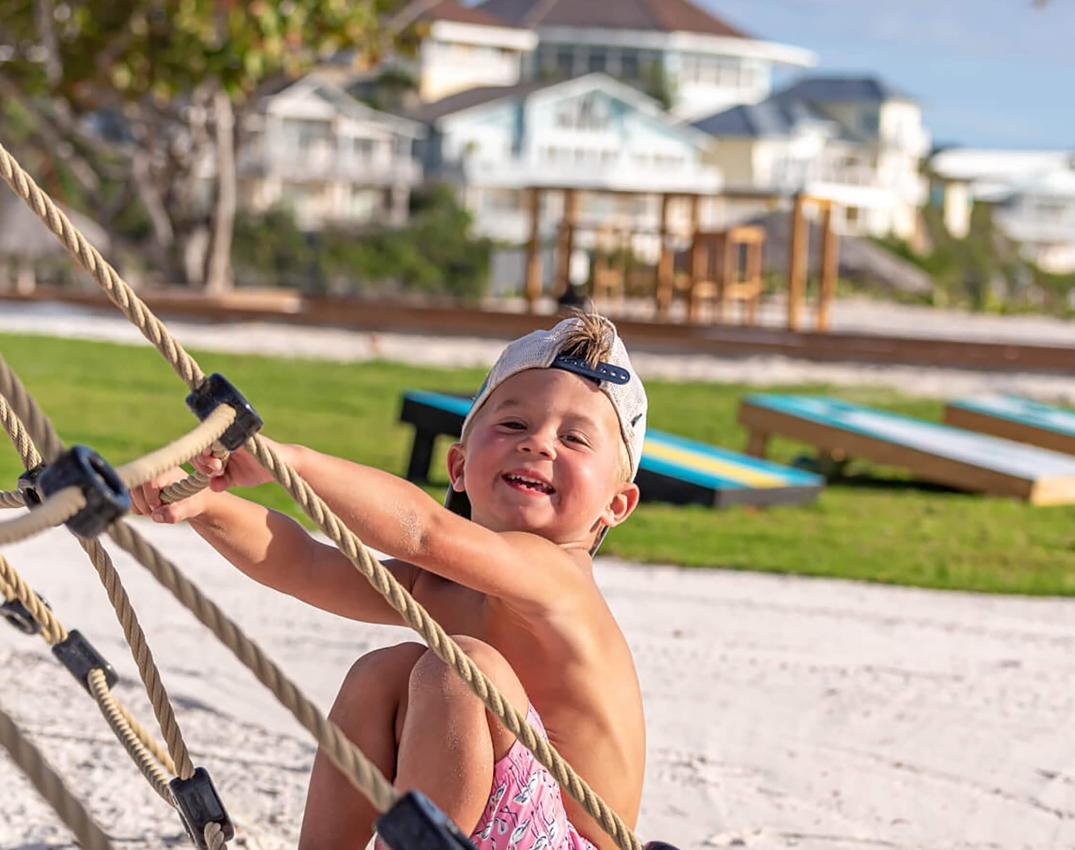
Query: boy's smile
x,y
543,455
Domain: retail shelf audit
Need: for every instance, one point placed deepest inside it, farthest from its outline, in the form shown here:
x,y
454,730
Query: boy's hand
x,y
146,499
240,470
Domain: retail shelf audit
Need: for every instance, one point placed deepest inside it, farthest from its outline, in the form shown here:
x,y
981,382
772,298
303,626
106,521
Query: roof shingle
x,y
659,15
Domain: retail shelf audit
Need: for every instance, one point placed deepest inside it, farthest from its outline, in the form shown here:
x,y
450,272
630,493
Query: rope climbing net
x,y
78,488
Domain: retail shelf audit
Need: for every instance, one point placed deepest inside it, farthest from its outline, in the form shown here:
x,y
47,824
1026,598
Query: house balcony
x,y
330,166
617,175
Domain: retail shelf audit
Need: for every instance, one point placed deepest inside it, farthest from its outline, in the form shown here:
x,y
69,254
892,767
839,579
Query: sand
x,y
781,712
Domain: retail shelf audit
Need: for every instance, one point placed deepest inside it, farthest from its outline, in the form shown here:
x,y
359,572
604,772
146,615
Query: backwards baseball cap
x,y
563,347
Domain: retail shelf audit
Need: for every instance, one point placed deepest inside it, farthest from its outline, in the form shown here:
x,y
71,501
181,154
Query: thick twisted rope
x,y
90,259
11,499
180,451
139,744
361,772
56,509
445,648
177,753
90,836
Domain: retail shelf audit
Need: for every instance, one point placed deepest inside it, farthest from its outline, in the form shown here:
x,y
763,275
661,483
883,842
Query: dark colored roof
x,y
429,112
768,118
842,90
450,10
660,15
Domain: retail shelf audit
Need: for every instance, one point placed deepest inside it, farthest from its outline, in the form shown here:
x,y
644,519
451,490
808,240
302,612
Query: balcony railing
x,y
327,165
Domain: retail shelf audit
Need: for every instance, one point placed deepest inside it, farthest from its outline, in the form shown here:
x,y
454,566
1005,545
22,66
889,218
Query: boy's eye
x,y
575,438
515,426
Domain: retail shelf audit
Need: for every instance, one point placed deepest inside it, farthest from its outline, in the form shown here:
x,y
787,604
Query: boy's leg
x,y
449,742
369,710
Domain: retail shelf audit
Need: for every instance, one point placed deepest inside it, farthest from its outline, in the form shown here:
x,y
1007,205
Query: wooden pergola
x,y
713,256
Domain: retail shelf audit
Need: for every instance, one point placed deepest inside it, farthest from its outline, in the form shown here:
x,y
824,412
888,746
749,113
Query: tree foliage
x,y
139,101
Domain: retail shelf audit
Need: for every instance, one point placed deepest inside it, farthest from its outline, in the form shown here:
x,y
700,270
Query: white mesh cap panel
x,y
537,350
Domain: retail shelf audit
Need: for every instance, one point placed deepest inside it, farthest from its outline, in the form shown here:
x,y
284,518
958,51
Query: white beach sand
x,y
781,711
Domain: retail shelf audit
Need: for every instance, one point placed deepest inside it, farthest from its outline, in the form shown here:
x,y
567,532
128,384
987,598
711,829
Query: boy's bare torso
x,y
578,673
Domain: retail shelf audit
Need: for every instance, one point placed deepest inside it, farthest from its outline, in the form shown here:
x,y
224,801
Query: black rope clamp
x,y
198,803
414,823
78,655
20,617
27,485
216,390
106,497
658,845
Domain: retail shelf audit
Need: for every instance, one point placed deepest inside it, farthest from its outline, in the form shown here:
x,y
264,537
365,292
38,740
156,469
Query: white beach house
x,y
330,158
856,141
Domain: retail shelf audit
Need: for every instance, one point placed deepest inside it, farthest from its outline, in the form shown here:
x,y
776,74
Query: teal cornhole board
x,y
1016,418
673,469
942,453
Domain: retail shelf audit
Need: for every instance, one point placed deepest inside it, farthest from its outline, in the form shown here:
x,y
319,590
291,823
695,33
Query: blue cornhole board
x,y
1015,418
672,469
942,453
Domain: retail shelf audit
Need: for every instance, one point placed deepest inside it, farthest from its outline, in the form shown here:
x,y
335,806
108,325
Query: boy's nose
x,y
538,442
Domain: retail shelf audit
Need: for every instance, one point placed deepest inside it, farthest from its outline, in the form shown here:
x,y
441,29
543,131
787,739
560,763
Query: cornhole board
x,y
1015,418
673,469
932,451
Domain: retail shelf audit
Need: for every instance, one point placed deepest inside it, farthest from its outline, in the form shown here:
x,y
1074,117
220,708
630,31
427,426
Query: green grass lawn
x,y
879,526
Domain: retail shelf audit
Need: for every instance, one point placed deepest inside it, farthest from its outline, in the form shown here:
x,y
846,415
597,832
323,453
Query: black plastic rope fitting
x,y
20,617
107,498
415,823
78,655
216,390
27,485
198,803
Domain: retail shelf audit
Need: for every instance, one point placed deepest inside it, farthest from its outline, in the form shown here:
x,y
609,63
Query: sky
x,y
988,73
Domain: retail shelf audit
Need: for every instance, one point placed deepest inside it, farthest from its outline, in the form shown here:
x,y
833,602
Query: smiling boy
x,y
547,460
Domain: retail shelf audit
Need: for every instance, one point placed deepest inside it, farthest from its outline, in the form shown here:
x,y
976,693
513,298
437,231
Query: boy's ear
x,y
622,505
456,462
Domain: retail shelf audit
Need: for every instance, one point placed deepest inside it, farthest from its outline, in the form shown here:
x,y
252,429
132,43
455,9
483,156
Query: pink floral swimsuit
x,y
525,809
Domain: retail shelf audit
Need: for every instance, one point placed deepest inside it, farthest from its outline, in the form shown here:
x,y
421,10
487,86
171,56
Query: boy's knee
x,y
381,670
433,674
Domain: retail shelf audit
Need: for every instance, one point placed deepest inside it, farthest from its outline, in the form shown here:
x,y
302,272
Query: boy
x,y
547,459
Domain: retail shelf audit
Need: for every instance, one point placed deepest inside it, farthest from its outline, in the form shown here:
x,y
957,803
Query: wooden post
x,y
830,267
757,444
755,251
566,243
533,252
665,268
797,262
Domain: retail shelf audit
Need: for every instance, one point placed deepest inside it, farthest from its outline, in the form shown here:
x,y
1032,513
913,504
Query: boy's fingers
x,y
169,513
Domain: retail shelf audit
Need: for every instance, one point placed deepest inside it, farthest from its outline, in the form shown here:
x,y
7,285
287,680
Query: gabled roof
x,y
843,90
768,118
776,117
659,15
453,12
430,112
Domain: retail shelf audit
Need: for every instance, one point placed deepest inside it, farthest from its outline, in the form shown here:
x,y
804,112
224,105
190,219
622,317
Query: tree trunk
x,y
219,278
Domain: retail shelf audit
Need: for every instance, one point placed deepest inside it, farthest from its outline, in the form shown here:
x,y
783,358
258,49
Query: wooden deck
x,y
724,340
954,457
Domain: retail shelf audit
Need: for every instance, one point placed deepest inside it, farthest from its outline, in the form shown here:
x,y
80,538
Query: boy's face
x,y
543,456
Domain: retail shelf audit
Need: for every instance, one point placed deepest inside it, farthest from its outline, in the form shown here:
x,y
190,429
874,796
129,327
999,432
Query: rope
x,y
12,423
180,451
90,259
11,499
32,419
90,836
177,759
351,761
444,647
119,721
56,509
139,744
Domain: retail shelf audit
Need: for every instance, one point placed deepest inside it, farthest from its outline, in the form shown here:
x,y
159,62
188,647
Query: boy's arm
x,y
276,551
394,516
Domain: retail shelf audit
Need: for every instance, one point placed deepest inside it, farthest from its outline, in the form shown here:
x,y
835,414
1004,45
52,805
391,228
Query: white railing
x,y
619,174
330,165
